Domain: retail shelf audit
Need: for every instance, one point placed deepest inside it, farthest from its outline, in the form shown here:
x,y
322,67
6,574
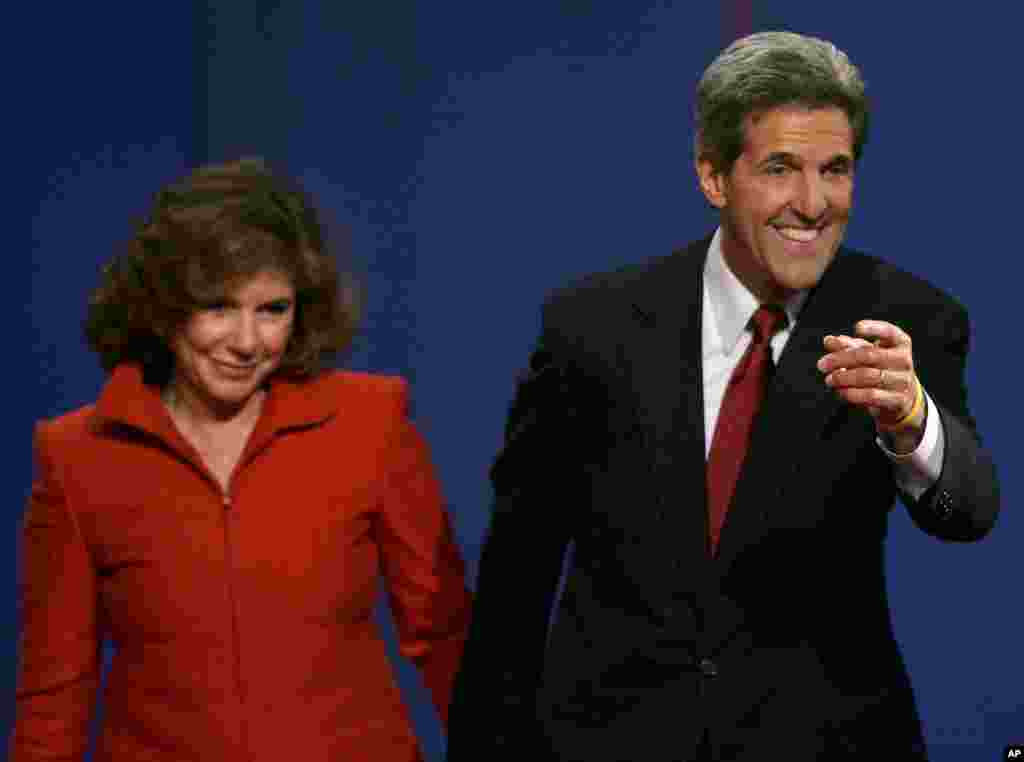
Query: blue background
x,y
476,155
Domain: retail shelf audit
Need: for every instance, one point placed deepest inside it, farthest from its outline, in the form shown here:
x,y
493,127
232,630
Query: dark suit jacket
x,y
781,648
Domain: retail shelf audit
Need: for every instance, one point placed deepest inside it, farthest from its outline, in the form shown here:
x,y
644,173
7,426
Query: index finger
x,y
885,334
840,342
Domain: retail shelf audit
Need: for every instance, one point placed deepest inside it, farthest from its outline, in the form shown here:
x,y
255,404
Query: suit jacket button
x,y
707,668
944,505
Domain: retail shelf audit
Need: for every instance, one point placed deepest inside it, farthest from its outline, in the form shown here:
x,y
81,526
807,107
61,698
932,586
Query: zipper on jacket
x,y
236,639
227,506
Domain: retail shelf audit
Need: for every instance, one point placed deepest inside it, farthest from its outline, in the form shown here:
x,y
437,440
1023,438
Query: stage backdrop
x,y
473,156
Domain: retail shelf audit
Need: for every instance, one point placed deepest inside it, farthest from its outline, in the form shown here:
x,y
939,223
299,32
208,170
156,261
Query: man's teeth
x,y
799,234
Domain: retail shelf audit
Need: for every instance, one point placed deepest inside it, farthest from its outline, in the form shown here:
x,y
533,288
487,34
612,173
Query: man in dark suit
x,y
720,435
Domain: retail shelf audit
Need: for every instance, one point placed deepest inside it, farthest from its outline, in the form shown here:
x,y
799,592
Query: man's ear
x,y
712,183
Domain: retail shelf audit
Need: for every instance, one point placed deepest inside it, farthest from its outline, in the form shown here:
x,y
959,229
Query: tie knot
x,y
767,321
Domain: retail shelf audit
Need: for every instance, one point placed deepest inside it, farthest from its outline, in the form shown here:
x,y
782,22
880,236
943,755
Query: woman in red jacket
x,y
225,510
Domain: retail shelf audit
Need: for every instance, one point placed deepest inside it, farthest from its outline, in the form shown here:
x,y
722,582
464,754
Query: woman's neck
x,y
187,409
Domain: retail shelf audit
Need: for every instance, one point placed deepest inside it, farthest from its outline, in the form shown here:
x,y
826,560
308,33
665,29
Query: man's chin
x,y
792,280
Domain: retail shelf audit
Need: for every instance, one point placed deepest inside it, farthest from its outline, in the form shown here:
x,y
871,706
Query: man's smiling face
x,y
786,201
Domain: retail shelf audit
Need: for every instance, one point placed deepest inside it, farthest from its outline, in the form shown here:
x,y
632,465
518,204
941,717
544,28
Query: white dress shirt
x,y
727,309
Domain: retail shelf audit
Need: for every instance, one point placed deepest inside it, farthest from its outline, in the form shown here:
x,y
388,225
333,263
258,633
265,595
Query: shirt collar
x,y
731,304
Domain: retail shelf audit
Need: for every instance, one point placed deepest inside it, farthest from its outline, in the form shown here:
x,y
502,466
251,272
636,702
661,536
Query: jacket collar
x,y
290,404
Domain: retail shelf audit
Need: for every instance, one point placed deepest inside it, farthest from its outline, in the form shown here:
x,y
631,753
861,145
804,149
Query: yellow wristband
x,y
908,420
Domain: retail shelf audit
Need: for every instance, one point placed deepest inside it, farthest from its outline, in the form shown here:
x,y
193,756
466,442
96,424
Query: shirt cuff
x,y
915,472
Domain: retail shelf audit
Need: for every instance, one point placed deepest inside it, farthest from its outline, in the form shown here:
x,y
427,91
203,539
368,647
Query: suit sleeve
x,y
422,563
494,706
964,502
58,667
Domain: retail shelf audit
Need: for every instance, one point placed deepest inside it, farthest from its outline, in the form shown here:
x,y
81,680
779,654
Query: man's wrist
x,y
904,441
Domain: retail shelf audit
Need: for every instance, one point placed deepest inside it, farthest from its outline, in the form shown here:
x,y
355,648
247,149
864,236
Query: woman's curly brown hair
x,y
215,228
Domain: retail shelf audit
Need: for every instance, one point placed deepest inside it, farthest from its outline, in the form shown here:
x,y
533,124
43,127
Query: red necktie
x,y
736,416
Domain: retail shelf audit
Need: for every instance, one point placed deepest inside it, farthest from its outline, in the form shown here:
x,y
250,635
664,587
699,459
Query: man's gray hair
x,y
767,70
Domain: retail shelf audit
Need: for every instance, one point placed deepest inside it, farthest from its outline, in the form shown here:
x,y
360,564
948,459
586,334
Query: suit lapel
x,y
796,412
792,425
670,384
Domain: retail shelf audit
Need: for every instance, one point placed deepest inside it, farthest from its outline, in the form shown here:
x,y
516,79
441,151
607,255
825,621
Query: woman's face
x,y
225,351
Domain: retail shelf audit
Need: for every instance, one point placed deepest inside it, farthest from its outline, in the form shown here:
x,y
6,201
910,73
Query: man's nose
x,y
810,199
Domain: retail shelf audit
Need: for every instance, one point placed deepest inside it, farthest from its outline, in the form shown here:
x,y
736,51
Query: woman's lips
x,y
235,371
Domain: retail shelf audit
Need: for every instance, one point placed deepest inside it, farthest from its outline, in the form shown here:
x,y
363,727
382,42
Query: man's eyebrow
x,y
780,157
791,158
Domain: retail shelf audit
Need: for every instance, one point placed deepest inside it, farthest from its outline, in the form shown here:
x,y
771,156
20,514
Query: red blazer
x,y
243,621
